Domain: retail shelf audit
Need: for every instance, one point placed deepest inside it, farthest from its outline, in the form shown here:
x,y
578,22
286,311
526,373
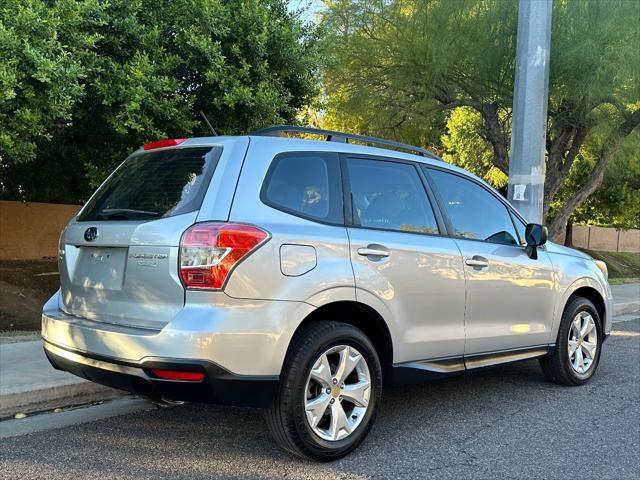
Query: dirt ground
x,y
24,287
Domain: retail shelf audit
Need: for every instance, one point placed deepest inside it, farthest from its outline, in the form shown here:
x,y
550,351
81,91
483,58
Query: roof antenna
x,y
206,121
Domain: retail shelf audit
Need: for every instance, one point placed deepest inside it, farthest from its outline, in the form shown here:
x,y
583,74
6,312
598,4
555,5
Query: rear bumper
x,y
218,386
247,338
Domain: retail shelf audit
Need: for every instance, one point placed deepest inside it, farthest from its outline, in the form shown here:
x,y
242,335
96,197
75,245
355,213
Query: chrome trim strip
x,y
101,325
440,366
477,360
504,357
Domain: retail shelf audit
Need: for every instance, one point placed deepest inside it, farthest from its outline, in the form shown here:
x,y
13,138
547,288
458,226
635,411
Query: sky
x,y
309,8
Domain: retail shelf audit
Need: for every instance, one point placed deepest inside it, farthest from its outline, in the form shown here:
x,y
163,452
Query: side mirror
x,y
536,236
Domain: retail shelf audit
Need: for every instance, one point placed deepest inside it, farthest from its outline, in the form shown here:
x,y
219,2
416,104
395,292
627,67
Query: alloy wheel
x,y
337,393
583,342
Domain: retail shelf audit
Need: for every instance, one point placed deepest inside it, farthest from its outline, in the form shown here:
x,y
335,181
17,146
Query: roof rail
x,y
334,136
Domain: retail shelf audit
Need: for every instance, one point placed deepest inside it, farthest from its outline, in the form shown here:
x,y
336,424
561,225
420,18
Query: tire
x,y
559,367
287,417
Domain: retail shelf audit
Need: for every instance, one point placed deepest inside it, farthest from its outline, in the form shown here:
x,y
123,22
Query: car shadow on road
x,y
418,421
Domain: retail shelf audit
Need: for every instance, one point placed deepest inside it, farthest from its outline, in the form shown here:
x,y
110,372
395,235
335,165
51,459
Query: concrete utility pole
x,y
530,98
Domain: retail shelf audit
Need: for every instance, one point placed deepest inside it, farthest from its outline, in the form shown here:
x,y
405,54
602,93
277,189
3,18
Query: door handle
x,y
373,252
477,262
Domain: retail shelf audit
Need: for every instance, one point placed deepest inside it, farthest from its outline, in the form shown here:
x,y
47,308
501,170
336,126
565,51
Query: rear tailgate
x,y
128,275
119,257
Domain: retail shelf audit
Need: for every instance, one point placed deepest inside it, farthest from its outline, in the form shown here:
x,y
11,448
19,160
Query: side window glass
x,y
473,211
306,185
389,196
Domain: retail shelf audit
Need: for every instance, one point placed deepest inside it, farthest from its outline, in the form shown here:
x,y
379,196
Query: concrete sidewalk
x,y
626,298
28,383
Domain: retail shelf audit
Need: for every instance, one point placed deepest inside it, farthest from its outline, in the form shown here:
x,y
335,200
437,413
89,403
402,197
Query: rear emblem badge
x,y
90,234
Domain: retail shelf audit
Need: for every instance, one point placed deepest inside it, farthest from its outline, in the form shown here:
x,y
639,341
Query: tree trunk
x,y
495,136
568,237
562,151
609,148
493,131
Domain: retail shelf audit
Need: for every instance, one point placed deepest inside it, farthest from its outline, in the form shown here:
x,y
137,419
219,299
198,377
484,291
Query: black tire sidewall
x,y
318,447
577,306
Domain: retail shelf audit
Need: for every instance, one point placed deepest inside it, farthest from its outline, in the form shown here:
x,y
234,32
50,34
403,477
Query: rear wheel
x,y
329,393
577,353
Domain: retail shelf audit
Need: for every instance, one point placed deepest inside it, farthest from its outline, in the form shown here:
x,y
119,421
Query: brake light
x,y
178,375
209,251
172,142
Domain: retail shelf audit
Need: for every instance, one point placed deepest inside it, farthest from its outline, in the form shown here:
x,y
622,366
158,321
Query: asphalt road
x,y
501,423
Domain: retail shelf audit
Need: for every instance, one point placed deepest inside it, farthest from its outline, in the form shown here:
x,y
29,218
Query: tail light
x,y
210,251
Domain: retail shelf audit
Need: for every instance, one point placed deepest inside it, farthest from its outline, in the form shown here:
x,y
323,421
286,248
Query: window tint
x,y
389,196
474,212
155,185
306,184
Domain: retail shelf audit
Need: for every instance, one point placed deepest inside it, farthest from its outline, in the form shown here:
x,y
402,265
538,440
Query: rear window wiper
x,y
124,214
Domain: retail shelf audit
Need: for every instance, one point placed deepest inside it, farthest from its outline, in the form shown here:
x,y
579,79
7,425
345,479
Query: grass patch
x,y
623,281
624,267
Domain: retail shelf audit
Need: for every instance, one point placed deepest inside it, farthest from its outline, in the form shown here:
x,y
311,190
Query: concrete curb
x,y
54,396
28,382
20,337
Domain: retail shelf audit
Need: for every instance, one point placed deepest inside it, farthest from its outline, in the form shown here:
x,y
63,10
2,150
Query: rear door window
x,y
305,184
389,196
154,185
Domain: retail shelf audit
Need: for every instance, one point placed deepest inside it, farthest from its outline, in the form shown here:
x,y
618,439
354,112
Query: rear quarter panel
x,y
262,274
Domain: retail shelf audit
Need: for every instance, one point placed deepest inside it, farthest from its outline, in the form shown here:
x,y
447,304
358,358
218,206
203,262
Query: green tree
x,y
400,67
141,70
617,202
40,79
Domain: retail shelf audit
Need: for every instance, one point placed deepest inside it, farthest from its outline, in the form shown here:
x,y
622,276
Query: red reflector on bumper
x,y
178,375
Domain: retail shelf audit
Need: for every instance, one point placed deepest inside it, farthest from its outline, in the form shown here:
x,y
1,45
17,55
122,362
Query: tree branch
x,y
493,132
561,155
578,139
495,136
450,104
609,148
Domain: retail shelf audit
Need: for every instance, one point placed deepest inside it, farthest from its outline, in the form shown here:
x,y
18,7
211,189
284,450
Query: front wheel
x,y
329,393
577,353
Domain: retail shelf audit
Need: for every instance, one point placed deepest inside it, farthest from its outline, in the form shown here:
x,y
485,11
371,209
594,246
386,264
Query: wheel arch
x,y
594,297
591,290
361,316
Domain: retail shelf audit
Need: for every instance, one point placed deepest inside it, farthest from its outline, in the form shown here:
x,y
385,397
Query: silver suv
x,y
303,275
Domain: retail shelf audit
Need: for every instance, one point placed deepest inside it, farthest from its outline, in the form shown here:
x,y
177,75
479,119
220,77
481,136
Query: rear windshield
x,y
155,185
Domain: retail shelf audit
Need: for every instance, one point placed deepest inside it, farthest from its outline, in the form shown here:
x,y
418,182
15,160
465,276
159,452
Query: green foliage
x,y
617,201
40,78
390,59
113,75
465,148
440,73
